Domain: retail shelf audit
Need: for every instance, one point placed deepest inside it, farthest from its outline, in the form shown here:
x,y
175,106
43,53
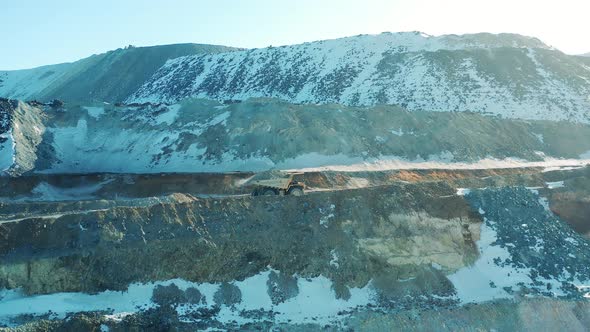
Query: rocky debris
x,y
56,104
537,241
429,288
228,295
281,287
6,109
171,295
523,315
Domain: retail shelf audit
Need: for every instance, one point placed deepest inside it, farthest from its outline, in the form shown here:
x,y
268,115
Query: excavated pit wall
x,y
381,234
36,195
261,134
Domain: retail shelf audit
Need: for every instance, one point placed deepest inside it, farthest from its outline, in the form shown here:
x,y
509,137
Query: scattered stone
x,y
193,296
341,290
168,295
281,287
228,294
56,103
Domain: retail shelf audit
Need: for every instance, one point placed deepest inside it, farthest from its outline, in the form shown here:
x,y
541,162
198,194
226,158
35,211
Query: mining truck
x,y
276,183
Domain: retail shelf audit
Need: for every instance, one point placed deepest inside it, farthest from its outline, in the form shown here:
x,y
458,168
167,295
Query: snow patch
x,y
334,259
555,185
315,302
485,280
7,151
330,214
540,137
463,191
342,163
399,132
47,192
95,112
169,116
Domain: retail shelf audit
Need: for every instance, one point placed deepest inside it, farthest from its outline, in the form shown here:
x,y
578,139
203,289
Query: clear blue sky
x,y
38,32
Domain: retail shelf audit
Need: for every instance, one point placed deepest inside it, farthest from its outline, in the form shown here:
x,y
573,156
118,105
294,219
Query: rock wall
x,y
400,231
262,134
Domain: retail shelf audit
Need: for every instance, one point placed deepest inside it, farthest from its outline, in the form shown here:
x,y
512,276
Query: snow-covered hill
x,y
110,76
508,75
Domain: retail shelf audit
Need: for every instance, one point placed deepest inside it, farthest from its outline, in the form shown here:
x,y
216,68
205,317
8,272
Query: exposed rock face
x,y
260,134
236,238
507,75
228,295
23,124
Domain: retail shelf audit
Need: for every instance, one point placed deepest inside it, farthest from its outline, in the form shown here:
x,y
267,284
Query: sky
x,y
40,32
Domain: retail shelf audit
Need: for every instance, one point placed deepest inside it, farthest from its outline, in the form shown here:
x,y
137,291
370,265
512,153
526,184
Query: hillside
x,y
507,75
110,76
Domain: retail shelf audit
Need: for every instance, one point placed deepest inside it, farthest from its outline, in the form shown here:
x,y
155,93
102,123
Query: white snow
x,y
418,84
169,116
463,191
545,203
25,84
316,301
399,132
95,112
317,162
355,182
15,303
7,151
555,185
484,280
328,214
334,259
47,192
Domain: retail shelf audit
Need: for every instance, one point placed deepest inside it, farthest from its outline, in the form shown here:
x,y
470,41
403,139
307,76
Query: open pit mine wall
x,y
261,134
401,232
417,240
